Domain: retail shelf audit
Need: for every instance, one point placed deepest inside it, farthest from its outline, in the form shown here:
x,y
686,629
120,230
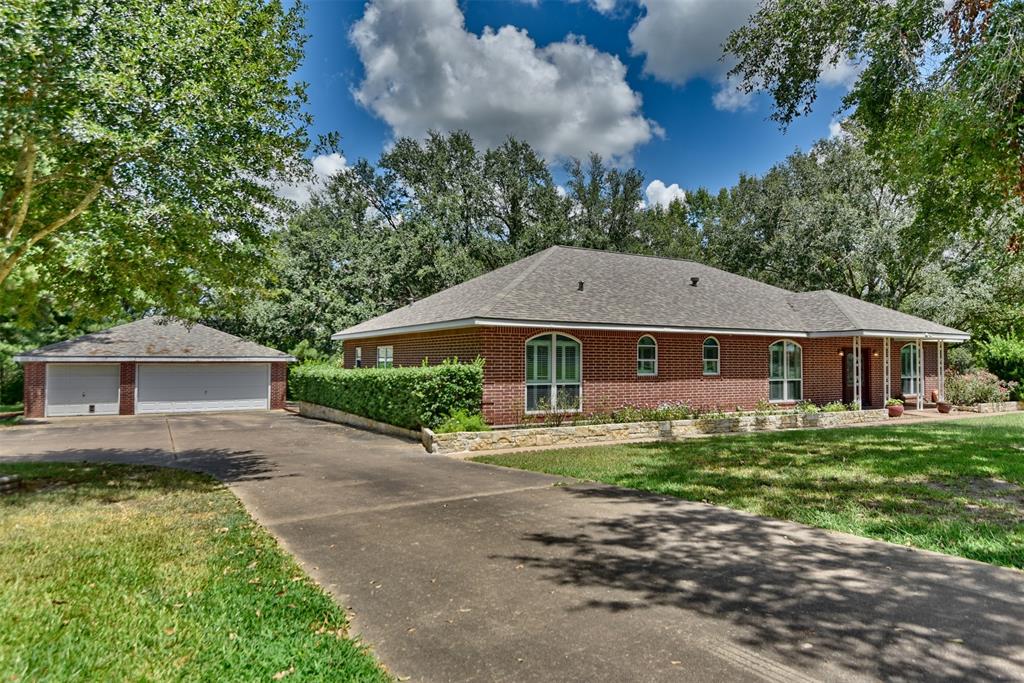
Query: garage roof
x,y
155,338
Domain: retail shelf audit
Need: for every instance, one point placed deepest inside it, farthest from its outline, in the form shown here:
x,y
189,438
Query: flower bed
x,y
668,430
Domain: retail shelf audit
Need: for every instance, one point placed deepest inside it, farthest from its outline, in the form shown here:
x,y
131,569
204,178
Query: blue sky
x,y
641,84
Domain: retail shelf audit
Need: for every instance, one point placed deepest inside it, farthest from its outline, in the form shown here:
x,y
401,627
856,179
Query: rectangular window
x,y
385,356
359,357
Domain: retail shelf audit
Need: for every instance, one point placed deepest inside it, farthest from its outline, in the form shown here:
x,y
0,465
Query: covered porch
x,y
878,367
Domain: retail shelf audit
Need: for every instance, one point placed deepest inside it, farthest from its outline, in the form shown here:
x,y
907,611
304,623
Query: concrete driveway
x,y
455,571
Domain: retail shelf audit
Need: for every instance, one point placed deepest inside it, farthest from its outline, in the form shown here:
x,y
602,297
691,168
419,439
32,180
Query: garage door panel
x,y
197,387
82,389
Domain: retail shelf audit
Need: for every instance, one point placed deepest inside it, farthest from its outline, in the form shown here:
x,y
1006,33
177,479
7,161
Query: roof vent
x,y
580,287
694,281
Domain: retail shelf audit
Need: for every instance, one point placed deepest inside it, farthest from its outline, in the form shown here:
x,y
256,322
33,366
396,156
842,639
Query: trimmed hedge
x,y
406,397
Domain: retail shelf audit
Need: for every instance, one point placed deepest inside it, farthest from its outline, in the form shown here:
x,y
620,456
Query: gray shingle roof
x,y
156,338
639,291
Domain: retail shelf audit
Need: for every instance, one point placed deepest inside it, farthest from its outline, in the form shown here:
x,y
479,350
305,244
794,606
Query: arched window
x,y
647,356
711,356
908,370
553,370
785,371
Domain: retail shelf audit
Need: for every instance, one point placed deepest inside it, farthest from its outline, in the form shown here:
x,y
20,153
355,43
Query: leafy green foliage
x,y
142,141
121,572
406,397
1004,357
939,93
462,421
976,387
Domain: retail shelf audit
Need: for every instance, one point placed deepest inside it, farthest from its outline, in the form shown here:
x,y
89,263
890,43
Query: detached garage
x,y
153,366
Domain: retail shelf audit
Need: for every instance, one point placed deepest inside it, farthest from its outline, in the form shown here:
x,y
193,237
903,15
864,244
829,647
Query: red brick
x,y
609,367
126,404
278,385
35,389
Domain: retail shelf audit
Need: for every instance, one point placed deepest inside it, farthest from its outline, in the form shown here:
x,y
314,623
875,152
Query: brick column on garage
x,y
278,385
35,389
127,396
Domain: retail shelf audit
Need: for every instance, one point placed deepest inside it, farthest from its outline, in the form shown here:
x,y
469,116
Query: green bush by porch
x,y
405,397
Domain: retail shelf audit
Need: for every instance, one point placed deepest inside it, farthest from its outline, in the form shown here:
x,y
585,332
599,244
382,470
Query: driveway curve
x,y
456,571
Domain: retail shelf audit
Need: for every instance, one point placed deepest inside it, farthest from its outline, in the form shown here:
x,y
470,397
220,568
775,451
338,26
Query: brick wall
x,y
609,367
35,389
278,385
411,349
126,404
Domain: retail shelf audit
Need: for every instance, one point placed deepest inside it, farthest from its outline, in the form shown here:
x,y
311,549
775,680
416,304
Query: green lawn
x,y
115,572
956,487
10,407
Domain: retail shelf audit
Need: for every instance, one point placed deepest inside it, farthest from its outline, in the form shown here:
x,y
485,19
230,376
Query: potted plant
x,y
944,406
895,407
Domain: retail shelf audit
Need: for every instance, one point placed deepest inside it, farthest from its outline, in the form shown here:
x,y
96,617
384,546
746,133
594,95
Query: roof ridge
x,y
677,260
842,308
503,292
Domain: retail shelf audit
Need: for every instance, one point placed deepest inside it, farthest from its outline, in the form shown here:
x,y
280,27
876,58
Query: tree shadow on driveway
x,y
228,465
803,595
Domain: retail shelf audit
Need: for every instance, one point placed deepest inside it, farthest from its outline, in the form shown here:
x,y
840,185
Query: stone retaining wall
x,y
581,435
1002,407
319,412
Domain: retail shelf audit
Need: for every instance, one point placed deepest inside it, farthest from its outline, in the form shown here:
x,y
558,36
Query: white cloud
x,y
659,194
324,166
836,130
424,70
604,6
682,39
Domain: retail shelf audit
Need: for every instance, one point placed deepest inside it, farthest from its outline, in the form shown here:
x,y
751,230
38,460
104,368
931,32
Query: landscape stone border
x,y
1001,407
674,430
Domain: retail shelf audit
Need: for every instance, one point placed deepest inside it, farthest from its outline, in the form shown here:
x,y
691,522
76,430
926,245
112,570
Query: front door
x,y
865,364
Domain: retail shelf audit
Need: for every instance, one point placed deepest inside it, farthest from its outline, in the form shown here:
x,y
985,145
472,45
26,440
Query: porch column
x,y
941,352
856,372
920,374
886,369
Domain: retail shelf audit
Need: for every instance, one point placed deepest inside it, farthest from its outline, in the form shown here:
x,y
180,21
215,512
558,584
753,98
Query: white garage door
x,y
197,387
82,389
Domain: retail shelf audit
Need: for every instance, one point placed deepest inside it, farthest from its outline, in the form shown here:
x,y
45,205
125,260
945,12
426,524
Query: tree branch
x,y
7,266
24,171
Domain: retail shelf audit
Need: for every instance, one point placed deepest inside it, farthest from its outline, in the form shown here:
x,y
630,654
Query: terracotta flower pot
x,y
895,411
944,407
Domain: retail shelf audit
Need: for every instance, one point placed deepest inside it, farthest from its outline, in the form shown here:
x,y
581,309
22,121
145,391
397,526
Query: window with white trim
x,y
385,356
785,371
359,357
711,356
908,370
647,356
553,370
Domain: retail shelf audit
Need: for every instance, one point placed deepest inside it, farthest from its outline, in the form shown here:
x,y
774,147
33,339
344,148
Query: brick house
x,y
153,366
579,330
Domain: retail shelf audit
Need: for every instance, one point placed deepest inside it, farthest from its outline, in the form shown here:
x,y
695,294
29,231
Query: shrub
x,y
959,359
893,402
461,421
807,407
1004,357
834,407
977,387
406,397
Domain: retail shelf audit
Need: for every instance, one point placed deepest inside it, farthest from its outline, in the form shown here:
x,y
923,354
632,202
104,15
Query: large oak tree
x,y
140,144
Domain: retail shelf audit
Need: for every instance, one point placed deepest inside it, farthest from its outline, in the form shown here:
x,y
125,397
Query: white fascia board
x,y
405,329
903,334
152,359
